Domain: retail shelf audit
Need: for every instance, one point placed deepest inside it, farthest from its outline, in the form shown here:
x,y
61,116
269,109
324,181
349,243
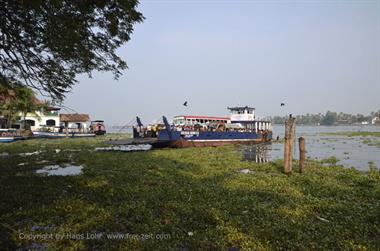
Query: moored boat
x,y
9,135
98,127
241,127
55,135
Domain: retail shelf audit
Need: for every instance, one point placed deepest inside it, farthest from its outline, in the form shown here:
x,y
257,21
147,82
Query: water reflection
x,y
126,148
258,153
53,170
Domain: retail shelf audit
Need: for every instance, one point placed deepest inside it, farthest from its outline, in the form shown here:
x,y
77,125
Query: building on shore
x,y
47,119
74,123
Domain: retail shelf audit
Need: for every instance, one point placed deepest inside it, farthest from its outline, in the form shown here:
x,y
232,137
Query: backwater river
x,y
350,151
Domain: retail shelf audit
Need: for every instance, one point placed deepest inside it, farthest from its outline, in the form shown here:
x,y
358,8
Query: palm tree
x,y
26,102
8,104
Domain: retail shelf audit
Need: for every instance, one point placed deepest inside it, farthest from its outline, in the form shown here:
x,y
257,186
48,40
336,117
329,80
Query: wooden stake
x,y
67,129
289,144
301,143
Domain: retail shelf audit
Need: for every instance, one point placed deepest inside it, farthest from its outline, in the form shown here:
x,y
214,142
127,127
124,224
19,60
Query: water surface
x,y
350,151
57,170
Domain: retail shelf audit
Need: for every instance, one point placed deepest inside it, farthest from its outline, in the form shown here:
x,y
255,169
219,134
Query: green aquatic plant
x,y
188,199
330,160
372,142
353,134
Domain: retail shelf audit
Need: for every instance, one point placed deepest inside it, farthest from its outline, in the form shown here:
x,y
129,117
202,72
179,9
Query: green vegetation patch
x,y
372,142
183,199
354,134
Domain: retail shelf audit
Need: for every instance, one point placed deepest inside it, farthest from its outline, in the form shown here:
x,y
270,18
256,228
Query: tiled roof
x,y
74,117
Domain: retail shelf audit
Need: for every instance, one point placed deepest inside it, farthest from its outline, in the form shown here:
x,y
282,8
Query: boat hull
x,y
183,143
206,139
62,135
9,139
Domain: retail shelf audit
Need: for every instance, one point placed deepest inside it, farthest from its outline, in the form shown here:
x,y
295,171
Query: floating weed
x,y
331,160
354,134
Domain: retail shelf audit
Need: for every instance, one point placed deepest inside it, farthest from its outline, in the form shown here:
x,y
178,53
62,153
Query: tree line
x,y
330,118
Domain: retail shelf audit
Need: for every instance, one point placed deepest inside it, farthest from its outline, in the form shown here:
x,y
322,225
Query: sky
x,y
313,56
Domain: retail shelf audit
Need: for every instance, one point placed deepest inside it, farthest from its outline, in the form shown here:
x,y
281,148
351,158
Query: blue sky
x,y
312,55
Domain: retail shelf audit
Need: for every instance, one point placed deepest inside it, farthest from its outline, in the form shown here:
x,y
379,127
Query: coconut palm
x,y
7,105
26,102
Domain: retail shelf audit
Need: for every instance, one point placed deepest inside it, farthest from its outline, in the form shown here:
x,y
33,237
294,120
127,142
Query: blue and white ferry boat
x,y
241,127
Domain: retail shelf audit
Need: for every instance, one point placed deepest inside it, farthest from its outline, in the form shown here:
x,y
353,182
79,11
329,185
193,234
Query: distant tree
x,y
278,120
330,118
45,44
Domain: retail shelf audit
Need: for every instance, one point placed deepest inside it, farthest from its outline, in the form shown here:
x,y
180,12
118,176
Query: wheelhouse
x,y
245,116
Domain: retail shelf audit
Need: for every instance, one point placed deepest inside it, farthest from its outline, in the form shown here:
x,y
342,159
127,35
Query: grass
x,y
182,199
354,134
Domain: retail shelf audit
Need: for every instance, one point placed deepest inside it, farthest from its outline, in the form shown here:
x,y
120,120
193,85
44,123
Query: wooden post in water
x,y
301,143
67,129
290,128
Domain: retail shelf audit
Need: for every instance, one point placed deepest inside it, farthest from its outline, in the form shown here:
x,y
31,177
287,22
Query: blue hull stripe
x,y
215,136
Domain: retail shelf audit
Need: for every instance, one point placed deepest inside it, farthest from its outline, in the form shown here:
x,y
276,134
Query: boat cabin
x,y
196,120
245,116
98,127
242,114
241,119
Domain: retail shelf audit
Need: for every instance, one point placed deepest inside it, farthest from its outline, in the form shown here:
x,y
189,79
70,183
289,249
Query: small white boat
x,y
9,135
9,139
54,135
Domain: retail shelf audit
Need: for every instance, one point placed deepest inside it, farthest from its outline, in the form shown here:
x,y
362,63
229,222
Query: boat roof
x,y
239,108
203,117
97,121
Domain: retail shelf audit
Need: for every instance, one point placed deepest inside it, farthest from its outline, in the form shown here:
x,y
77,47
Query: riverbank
x,y
180,199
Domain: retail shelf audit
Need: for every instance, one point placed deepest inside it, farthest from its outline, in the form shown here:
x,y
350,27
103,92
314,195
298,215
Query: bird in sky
x,y
282,104
185,104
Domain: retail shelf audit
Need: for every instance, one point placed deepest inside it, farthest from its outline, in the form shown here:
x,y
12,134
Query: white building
x,y
48,119
52,121
79,123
